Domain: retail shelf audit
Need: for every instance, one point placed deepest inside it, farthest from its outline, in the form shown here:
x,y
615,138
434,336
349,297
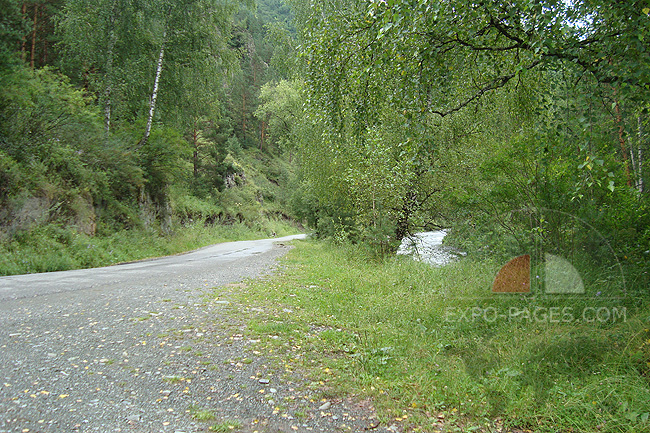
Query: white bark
x,y
632,157
154,94
639,160
109,74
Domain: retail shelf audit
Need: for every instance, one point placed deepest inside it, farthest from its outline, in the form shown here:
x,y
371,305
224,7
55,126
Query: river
x,y
427,247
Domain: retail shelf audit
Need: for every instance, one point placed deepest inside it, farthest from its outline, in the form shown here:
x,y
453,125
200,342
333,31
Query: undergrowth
x,y
437,351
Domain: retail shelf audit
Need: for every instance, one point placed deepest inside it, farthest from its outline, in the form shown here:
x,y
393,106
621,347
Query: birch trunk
x,y
639,159
621,139
633,162
640,162
195,155
154,94
109,71
243,127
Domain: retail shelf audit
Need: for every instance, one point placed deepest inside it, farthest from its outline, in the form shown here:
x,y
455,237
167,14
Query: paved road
x,y
145,347
211,264
153,346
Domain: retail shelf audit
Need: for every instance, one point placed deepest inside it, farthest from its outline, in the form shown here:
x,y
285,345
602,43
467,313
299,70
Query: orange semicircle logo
x,y
514,276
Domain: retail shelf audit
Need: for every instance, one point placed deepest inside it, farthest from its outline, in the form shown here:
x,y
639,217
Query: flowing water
x,y
427,247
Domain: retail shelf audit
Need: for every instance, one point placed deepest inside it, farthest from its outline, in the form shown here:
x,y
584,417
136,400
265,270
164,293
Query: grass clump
x,y
200,414
226,426
434,346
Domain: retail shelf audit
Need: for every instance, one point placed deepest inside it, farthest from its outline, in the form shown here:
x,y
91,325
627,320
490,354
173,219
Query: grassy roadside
x,y
52,248
430,347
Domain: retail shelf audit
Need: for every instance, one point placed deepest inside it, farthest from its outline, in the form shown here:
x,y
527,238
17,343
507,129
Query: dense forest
x,y
136,117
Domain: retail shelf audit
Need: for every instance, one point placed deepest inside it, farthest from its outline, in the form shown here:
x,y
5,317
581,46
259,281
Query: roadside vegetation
x,y
428,345
522,127
51,235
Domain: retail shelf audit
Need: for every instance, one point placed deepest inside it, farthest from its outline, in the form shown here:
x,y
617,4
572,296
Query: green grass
x,y
201,414
226,426
425,342
53,248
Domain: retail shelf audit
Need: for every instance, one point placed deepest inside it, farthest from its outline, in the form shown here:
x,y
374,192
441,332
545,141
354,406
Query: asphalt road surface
x,y
150,346
211,264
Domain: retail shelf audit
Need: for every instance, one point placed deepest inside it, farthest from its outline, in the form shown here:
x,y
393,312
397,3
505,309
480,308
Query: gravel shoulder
x,y
163,354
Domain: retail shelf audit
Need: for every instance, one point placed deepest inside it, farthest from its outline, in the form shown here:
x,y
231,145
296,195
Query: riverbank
x,y
435,349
